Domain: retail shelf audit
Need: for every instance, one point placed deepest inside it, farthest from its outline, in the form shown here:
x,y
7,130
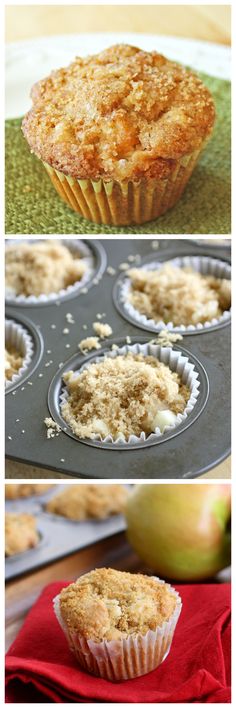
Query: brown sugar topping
x,y
110,604
121,114
89,501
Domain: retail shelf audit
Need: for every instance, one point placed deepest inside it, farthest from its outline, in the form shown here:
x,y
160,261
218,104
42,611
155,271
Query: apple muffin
x,y
123,396
19,491
20,533
13,361
41,267
89,501
120,132
182,296
119,624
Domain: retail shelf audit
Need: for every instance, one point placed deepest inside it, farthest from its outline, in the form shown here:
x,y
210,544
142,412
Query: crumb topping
x,y
102,330
121,396
124,113
17,491
13,362
89,501
110,604
89,343
20,533
178,295
41,267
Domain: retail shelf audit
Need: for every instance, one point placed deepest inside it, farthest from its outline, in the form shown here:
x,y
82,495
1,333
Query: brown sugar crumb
x,y
41,267
178,295
102,330
18,491
110,604
89,501
52,428
121,114
166,338
20,533
13,362
89,343
122,396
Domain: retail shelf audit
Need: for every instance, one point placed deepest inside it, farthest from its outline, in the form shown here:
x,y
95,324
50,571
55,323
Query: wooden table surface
x,y
207,22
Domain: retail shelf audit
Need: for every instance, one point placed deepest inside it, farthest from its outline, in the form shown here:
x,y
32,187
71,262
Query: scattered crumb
x,y
114,347
53,326
62,459
111,270
166,338
123,266
65,330
155,245
52,427
67,346
85,326
100,315
128,340
49,351
40,376
84,291
9,437
69,318
102,330
89,343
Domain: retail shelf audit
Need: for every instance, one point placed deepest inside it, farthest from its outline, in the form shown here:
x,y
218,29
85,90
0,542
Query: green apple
x,y
181,531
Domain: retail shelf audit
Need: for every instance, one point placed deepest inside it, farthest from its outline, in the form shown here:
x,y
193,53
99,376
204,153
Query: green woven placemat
x,y
33,206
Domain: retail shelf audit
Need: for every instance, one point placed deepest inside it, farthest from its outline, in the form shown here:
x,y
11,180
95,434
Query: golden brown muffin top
x,y
89,501
20,533
121,114
17,491
110,604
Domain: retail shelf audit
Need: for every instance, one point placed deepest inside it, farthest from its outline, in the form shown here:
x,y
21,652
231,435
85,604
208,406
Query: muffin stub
x,y
18,491
89,501
20,533
111,604
123,114
178,295
121,396
41,267
13,361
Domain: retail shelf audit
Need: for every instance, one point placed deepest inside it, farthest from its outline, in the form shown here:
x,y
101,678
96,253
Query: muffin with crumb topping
x,y
20,533
119,625
120,132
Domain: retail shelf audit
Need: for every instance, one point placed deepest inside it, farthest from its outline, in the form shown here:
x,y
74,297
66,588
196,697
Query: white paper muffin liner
x,y
202,264
176,361
74,246
118,660
17,336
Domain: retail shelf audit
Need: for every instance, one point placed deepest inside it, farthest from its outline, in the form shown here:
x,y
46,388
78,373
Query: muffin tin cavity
x,y
179,360
205,265
28,341
92,254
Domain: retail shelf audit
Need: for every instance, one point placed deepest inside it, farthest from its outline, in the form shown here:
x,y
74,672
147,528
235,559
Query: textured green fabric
x,y
33,206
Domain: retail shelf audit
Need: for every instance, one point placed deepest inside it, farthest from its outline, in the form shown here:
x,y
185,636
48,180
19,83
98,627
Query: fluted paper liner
x,y
176,361
125,202
17,336
202,264
122,659
74,246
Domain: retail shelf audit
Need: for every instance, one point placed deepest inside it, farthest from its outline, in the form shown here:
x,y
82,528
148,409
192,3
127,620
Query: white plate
x,y
29,61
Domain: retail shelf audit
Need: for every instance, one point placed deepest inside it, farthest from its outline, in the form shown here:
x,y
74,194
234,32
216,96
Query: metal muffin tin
x,y
58,536
185,452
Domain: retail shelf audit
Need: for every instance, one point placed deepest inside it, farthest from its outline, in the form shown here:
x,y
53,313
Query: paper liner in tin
x,y
75,246
17,336
202,264
176,361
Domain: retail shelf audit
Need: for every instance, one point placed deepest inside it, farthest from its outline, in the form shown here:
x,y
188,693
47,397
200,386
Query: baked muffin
x,y
119,625
122,396
19,491
20,533
89,501
120,132
41,267
182,296
13,361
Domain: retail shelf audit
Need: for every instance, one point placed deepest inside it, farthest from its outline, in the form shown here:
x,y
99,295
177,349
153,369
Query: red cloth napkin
x,y
41,668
